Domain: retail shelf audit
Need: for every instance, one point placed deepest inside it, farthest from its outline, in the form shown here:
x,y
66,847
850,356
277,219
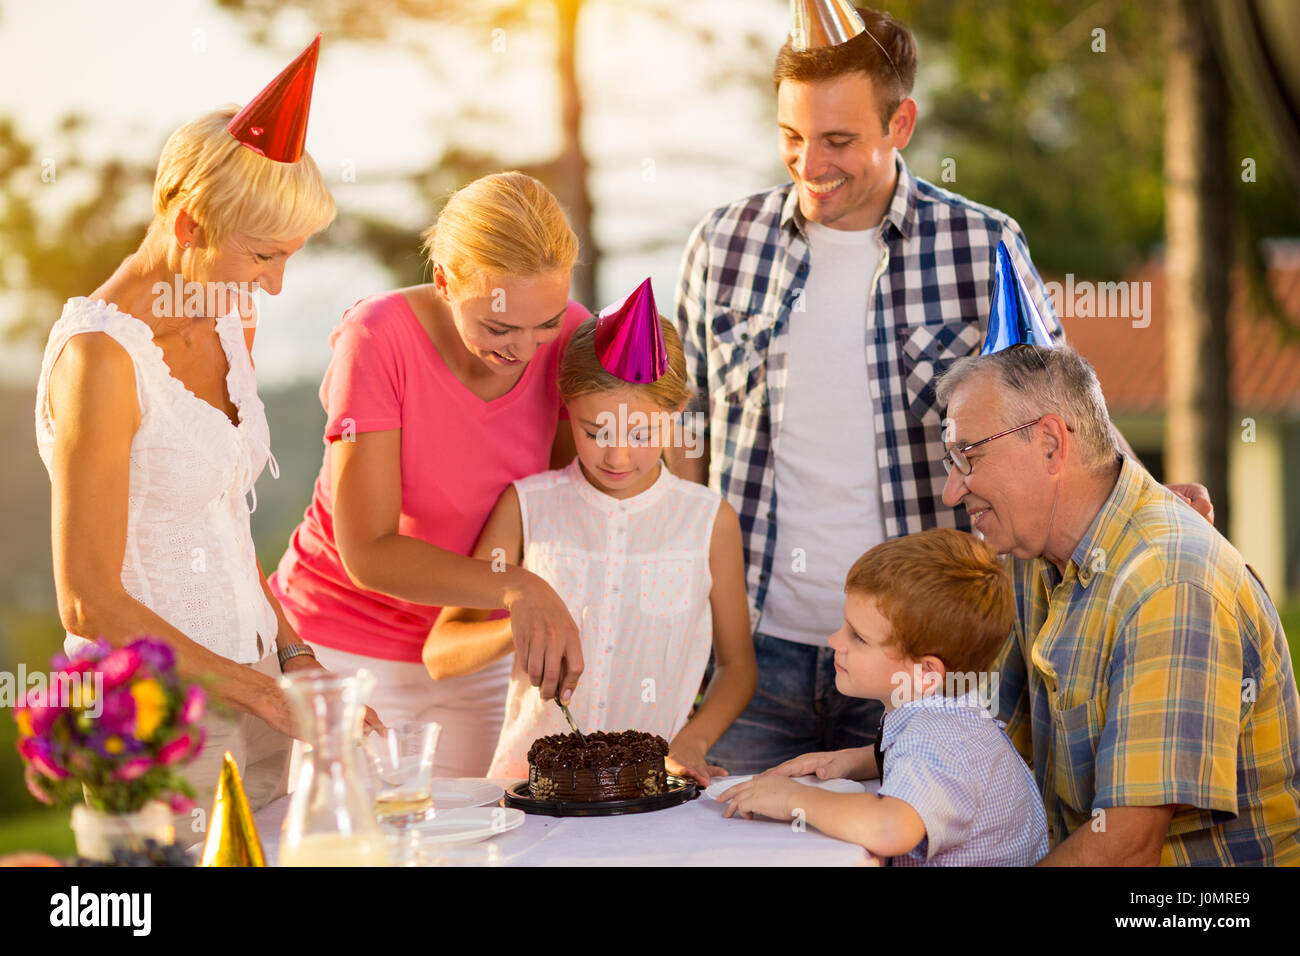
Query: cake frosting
x,y
611,766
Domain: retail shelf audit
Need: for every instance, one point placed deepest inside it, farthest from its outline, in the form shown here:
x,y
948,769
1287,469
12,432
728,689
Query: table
x,y
691,834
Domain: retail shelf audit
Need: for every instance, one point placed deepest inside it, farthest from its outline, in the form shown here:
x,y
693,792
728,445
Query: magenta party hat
x,y
274,123
1013,317
629,342
820,23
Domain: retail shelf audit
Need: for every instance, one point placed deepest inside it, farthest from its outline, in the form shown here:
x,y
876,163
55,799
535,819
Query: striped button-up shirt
x,y
1154,672
741,286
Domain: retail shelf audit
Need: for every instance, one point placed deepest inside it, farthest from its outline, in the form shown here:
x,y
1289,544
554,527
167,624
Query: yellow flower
x,y
24,723
150,707
114,745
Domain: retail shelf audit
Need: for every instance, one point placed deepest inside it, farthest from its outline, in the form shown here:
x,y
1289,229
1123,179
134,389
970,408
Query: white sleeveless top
x,y
641,567
189,546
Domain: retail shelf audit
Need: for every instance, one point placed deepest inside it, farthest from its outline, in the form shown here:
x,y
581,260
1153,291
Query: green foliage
x,y
1065,137
66,222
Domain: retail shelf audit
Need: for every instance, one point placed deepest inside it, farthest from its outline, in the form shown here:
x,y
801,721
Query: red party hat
x,y
274,124
629,342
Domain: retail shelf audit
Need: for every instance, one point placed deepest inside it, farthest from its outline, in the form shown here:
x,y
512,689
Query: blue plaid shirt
x,y
741,283
953,764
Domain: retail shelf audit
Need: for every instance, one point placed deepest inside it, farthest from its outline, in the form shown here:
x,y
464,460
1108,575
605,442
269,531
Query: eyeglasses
x,y
957,456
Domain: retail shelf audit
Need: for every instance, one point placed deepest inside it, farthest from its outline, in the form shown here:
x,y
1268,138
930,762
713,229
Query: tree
x,y
1196,263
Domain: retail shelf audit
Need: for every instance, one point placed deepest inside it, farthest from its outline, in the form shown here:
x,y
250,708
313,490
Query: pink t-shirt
x,y
458,455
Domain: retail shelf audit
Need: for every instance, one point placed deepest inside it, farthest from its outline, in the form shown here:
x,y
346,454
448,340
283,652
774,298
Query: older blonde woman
x,y
149,422
437,398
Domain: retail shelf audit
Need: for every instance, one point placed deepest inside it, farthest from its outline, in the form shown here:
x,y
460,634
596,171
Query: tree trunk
x,y
571,166
1196,261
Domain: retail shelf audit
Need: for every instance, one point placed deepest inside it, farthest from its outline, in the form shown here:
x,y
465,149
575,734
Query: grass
x,y
46,830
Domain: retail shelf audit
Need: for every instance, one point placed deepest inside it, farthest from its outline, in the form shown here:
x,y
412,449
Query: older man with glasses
x,y
1148,681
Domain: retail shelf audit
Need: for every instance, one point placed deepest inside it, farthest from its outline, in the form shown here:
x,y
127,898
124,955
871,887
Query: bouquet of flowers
x,y
114,725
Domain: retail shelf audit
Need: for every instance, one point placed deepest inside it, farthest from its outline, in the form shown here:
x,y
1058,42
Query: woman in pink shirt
x,y
439,396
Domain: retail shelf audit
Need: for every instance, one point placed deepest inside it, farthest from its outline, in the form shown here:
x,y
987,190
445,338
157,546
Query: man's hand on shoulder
x,y
1198,496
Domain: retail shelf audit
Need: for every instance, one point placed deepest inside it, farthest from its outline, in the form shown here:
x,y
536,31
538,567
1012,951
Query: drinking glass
x,y
401,763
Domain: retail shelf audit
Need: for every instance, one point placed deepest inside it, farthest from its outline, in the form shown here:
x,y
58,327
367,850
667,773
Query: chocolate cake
x,y
612,766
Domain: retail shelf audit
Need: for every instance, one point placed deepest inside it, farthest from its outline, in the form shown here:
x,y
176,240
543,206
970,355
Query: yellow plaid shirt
x,y
1155,671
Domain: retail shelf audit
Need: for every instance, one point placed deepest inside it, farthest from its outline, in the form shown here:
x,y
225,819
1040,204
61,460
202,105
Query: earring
x,y
187,243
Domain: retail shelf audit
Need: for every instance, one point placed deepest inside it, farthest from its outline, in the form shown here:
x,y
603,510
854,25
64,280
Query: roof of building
x,y
1130,361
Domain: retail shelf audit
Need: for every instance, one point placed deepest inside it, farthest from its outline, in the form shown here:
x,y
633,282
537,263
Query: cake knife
x,y
563,706
572,723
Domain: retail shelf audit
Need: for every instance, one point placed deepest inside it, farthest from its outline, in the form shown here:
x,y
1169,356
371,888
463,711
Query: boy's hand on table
x,y
686,759
825,765
775,797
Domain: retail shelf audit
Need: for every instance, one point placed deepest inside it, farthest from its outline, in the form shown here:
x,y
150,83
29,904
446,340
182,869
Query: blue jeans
x,y
795,710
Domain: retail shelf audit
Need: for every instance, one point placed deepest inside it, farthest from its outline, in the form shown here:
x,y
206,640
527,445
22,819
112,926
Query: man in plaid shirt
x,y
817,383
1148,680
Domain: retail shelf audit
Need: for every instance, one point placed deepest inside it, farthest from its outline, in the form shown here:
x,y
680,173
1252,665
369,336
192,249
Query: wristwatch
x,y
286,654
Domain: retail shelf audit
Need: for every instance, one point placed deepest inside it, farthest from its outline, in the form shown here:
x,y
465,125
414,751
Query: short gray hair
x,y
1037,381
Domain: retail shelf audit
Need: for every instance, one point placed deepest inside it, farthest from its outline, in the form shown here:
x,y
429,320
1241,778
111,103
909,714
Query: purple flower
x,y
94,652
119,712
195,703
133,769
119,666
40,755
114,746
155,653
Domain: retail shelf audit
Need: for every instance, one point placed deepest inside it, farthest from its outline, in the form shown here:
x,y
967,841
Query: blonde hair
x,y
502,224
581,372
228,188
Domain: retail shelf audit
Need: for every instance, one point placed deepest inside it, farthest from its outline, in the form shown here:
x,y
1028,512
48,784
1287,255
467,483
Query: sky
x,y
140,68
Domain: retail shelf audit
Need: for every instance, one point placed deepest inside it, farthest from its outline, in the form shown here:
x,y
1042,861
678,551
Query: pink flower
x,y
40,755
180,803
133,769
36,717
195,704
176,750
34,786
119,712
42,710
118,666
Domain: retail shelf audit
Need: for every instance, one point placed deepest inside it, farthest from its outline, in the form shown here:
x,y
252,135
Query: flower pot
x,y
99,834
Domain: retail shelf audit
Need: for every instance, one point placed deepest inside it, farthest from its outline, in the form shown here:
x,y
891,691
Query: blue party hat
x,y
1013,317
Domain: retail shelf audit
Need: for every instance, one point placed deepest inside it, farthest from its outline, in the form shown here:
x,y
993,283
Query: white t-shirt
x,y
826,473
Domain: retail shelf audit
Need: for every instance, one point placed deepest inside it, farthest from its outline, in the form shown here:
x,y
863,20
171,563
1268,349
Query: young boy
x,y
924,618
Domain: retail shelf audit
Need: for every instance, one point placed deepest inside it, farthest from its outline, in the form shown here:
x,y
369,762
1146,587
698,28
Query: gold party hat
x,y
232,836
821,23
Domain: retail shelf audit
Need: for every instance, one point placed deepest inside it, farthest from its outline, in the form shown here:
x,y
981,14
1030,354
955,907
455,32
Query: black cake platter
x,y
678,790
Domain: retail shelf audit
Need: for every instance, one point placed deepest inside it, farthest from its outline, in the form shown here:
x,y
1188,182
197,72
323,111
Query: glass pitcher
x,y
331,819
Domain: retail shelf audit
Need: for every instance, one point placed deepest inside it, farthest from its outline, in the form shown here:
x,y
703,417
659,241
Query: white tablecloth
x,y
692,834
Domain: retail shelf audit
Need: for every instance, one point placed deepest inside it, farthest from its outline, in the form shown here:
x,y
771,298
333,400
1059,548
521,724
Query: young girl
x,y
649,564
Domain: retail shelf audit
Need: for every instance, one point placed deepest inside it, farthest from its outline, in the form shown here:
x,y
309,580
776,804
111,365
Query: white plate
x,y
835,784
460,793
467,826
